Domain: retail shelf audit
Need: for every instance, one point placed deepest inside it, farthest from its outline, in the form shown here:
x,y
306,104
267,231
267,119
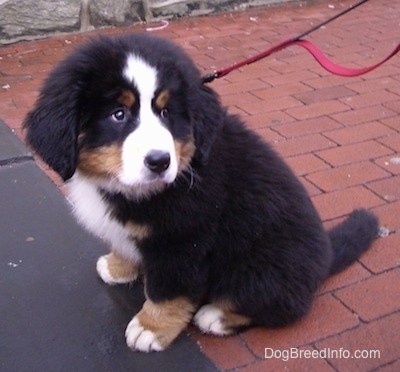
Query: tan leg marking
x,y
137,231
115,269
219,319
158,324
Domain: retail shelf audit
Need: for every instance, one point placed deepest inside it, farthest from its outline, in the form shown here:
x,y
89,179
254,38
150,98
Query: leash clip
x,y
206,79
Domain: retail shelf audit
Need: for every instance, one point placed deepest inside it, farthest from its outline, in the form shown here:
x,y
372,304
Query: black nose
x,y
157,161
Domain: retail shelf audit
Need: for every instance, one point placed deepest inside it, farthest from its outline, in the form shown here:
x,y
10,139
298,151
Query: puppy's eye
x,y
118,115
164,113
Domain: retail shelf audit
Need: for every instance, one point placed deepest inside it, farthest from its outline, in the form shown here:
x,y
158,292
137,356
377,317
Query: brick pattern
x,y
340,136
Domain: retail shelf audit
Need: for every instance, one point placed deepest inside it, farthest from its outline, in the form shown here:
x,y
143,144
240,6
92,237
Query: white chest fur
x,y
93,213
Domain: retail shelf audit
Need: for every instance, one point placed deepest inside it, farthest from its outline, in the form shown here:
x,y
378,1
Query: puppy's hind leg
x,y
115,269
219,319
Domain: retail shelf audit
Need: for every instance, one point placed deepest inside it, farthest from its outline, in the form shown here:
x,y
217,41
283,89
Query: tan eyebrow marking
x,y
127,98
162,99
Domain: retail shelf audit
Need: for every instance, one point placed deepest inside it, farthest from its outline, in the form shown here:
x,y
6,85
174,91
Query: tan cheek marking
x,y
127,98
162,99
102,162
138,232
166,319
184,152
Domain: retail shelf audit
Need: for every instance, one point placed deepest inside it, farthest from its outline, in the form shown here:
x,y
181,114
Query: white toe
x,y
141,339
102,270
210,320
105,275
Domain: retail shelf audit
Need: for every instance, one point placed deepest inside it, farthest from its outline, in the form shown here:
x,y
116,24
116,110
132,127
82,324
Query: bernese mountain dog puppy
x,y
186,196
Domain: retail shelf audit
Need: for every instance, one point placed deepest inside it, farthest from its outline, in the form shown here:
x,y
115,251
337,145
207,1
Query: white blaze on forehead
x,y
150,134
142,75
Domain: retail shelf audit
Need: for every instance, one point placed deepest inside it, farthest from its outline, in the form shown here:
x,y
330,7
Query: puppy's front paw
x,y
114,269
158,324
141,339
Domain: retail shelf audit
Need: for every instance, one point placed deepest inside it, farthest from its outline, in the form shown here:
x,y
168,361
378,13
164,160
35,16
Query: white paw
x,y
105,275
103,272
141,339
210,320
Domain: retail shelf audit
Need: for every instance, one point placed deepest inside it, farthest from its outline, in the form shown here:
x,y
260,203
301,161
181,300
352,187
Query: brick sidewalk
x,y
340,135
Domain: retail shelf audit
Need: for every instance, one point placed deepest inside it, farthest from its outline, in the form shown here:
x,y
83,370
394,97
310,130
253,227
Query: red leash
x,y
311,48
336,69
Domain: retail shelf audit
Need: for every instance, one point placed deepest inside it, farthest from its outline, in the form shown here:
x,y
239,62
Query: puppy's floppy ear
x,y
207,119
52,126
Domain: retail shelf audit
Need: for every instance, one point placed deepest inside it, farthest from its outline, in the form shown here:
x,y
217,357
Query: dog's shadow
x,y
128,299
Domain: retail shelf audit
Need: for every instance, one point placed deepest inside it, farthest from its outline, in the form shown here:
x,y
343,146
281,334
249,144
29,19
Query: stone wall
x,y
24,19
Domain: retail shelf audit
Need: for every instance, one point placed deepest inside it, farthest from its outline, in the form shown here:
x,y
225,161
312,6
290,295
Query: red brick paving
x,y
353,274
382,335
327,317
390,163
392,141
348,175
340,202
373,297
340,135
384,256
387,188
306,164
348,154
360,133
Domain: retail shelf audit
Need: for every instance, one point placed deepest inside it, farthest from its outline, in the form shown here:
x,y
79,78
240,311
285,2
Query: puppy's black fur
x,y
236,226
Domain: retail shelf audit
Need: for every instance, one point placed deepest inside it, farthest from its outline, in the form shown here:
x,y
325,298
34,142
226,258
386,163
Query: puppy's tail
x,y
351,238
